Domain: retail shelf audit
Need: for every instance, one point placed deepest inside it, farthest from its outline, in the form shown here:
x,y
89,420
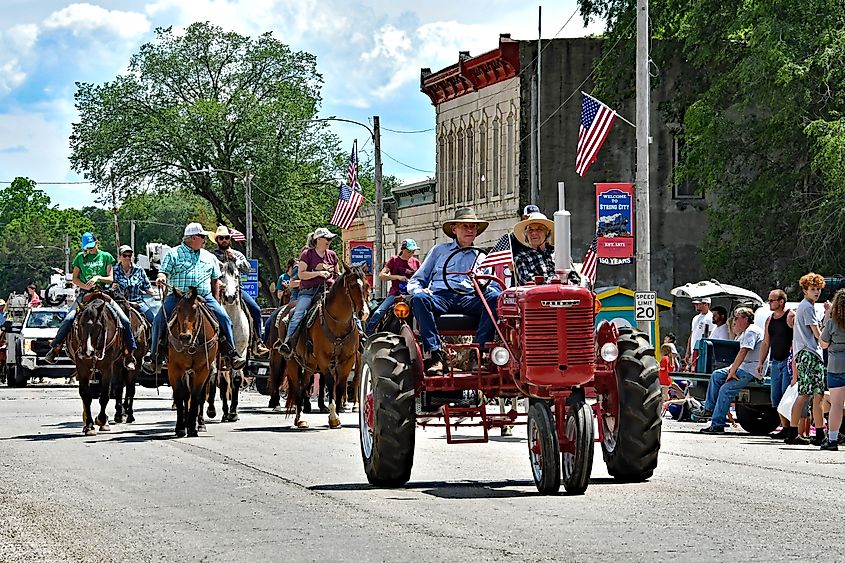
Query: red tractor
x,y
547,350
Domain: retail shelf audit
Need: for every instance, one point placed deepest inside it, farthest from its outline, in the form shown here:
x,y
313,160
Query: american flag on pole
x,y
500,255
350,198
237,236
588,268
596,121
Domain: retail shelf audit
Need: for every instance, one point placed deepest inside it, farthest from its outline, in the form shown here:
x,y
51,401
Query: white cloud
x,y
21,37
84,18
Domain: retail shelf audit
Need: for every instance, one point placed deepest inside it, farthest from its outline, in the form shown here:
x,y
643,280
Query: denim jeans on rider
x,y
376,315
306,296
427,306
67,323
780,379
254,311
146,311
721,393
167,306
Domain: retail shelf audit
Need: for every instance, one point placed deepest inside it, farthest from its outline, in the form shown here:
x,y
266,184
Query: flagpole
x,y
378,259
643,226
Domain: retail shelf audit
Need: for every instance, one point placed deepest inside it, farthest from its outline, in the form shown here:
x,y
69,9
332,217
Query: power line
x,y
52,183
408,132
406,165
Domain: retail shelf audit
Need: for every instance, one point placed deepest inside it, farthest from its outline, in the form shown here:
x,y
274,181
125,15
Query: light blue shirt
x,y
186,267
430,274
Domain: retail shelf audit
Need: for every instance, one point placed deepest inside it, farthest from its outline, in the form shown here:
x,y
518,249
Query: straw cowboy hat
x,y
222,231
519,230
464,215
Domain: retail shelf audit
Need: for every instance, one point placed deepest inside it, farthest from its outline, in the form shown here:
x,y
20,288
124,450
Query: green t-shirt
x,y
91,265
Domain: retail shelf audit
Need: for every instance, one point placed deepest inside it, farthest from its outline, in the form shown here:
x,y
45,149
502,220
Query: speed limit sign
x,y
645,306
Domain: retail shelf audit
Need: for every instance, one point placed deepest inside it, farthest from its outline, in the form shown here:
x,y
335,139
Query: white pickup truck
x,y
27,344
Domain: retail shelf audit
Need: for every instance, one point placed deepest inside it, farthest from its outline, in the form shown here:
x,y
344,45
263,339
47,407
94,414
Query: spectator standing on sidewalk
x,y
833,339
702,327
810,374
777,341
720,322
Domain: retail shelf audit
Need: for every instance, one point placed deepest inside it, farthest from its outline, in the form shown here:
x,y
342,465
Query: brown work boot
x,y
261,351
436,364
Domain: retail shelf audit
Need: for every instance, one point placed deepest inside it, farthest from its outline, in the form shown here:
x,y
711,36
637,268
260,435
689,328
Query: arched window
x,y
450,169
484,175
511,150
441,168
495,173
461,164
470,160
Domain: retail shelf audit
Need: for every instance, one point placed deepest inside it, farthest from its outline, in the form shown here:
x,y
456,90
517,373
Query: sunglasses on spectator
x,y
223,237
126,255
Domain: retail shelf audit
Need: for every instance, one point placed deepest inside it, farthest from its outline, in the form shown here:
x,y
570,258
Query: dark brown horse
x,y
124,407
192,350
95,345
333,349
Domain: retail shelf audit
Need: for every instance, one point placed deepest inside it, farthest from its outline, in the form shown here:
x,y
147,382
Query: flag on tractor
x,y
350,197
596,121
591,258
500,255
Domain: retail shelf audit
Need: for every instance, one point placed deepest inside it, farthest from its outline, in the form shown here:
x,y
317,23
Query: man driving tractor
x,y
431,295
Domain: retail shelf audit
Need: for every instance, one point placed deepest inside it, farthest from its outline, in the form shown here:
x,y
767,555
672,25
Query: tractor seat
x,y
457,323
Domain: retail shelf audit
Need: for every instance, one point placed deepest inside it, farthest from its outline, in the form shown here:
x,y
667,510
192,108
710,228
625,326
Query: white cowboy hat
x,y
222,230
464,215
519,230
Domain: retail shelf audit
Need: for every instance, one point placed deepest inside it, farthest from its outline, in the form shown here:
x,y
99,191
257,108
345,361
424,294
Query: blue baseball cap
x,y
529,209
88,241
410,244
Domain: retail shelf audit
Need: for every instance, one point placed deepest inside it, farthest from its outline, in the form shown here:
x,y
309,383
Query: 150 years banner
x,y
615,222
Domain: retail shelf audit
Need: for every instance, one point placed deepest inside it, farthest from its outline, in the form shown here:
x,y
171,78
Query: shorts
x,y
811,373
835,380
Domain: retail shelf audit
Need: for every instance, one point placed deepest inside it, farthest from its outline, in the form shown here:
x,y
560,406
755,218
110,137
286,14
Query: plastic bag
x,y
786,402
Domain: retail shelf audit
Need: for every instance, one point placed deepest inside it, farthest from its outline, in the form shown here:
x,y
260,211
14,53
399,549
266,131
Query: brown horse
x,y
192,349
329,346
95,345
124,407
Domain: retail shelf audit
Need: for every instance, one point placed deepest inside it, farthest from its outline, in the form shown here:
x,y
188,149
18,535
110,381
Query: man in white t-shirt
x,y
702,327
720,322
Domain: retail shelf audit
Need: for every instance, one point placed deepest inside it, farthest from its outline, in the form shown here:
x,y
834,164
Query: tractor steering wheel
x,y
446,272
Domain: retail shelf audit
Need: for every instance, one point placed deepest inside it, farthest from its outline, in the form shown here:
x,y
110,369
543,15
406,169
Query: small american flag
x,y
500,255
596,121
588,268
237,236
350,198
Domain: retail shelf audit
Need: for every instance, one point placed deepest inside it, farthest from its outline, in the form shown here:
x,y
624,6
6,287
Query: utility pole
x,y
132,234
248,190
378,259
67,255
535,197
643,226
114,210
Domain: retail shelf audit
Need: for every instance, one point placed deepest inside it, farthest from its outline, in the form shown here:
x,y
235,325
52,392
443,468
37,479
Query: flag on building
x,y
237,236
500,255
596,121
591,258
350,197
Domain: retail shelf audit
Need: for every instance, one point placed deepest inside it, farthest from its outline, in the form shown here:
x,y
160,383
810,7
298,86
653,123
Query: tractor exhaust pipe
x,y
563,230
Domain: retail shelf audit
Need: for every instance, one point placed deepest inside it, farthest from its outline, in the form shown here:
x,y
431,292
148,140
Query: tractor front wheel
x,y
631,420
578,463
543,448
386,410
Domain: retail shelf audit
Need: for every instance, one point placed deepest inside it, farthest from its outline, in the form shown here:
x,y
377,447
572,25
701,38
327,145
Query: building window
x,y
441,167
510,155
686,189
460,162
450,170
470,164
494,173
482,159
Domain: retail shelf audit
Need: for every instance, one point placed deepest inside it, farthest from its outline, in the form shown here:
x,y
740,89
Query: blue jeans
x,y
254,311
146,311
721,393
780,379
303,302
167,307
376,315
427,307
67,323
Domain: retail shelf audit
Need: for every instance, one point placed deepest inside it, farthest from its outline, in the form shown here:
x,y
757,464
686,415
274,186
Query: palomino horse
x,y
227,379
329,346
192,350
95,345
124,407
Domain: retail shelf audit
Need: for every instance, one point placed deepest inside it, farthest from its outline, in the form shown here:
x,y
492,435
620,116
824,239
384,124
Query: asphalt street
x,y
259,490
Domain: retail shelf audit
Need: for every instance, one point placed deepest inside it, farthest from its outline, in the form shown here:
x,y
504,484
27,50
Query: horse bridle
x,y
106,345
192,346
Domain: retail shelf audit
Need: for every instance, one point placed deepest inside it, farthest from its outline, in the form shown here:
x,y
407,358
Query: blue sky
x,y
370,53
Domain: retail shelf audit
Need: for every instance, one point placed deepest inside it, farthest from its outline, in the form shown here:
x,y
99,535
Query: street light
x,y
247,180
66,251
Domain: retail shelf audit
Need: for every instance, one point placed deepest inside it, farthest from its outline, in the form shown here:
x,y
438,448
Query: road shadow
x,y
134,437
279,429
44,437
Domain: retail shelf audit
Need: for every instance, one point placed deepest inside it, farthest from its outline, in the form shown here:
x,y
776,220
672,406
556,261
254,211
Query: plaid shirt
x,y
532,262
133,284
185,268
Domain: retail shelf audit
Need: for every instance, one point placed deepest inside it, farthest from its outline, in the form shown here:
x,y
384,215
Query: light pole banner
x,y
615,222
361,254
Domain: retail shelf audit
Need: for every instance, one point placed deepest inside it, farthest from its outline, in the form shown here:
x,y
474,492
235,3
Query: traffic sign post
x,y
645,306
249,282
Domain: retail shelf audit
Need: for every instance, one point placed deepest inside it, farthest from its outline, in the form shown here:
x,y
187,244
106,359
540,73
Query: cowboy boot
x,y
260,350
437,363
50,358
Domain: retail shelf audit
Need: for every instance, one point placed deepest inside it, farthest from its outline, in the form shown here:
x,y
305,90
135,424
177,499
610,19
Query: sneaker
x,y
712,430
797,441
818,439
50,358
781,434
841,440
701,415
829,446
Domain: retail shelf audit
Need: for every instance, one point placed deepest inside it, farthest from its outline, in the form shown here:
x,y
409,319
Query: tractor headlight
x,y
402,310
500,356
609,352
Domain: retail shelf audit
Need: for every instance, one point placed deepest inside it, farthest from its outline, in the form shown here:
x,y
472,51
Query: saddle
x,y
97,294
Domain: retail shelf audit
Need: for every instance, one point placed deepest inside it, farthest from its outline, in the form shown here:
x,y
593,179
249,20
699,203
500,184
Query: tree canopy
x,y
761,98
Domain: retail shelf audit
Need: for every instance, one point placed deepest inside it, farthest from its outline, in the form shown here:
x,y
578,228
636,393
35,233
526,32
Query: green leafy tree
x,y
761,96
208,98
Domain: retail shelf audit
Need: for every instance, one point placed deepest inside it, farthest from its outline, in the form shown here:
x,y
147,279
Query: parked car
x,y
29,341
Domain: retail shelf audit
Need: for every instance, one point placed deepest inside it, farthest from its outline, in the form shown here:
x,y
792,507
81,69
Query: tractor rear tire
x,y
543,448
757,420
631,443
577,467
387,412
